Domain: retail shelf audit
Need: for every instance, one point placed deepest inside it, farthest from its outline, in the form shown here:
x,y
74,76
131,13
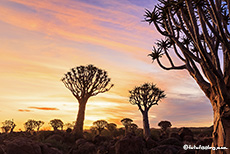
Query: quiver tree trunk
x,y
126,130
78,128
146,125
221,126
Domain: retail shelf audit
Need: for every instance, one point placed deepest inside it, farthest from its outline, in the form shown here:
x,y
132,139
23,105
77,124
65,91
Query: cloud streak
x,y
44,108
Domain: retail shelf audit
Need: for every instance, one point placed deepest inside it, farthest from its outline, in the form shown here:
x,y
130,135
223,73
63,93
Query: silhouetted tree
x,y
69,125
56,123
100,125
8,125
30,125
127,123
199,33
164,125
111,127
133,127
39,124
5,129
145,97
84,82
93,130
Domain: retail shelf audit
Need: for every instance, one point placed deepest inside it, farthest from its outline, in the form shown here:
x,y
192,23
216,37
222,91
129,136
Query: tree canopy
x,y
8,125
100,125
145,96
56,123
86,81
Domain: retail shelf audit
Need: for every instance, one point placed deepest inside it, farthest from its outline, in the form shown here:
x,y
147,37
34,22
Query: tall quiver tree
x,y
145,96
198,31
84,82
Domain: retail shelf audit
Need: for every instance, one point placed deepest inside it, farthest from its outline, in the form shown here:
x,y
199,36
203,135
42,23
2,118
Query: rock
x,y
165,149
175,135
83,147
185,132
98,140
172,141
23,146
129,145
55,137
49,150
206,141
182,151
150,143
42,135
188,138
80,142
2,151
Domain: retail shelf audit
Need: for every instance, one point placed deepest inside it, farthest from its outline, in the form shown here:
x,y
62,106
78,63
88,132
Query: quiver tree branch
x,y
199,34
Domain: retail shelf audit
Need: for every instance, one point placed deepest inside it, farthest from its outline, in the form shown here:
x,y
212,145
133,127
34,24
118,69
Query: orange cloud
x,y
83,26
44,108
24,110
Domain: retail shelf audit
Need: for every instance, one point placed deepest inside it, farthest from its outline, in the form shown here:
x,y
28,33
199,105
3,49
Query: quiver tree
x,y
100,125
164,126
69,125
8,125
93,130
30,125
127,123
84,82
133,128
198,31
56,123
111,127
145,96
39,124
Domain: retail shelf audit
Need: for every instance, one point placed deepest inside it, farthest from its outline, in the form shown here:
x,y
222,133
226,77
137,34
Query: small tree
x,y
30,125
56,123
164,125
111,127
69,125
93,130
145,97
127,123
8,125
133,127
85,82
39,124
5,129
100,125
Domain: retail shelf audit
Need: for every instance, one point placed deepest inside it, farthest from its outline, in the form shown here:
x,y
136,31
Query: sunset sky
x,y
42,40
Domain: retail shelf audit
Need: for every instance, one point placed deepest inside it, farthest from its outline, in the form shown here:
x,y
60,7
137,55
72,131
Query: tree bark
x,y
146,124
78,128
221,126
